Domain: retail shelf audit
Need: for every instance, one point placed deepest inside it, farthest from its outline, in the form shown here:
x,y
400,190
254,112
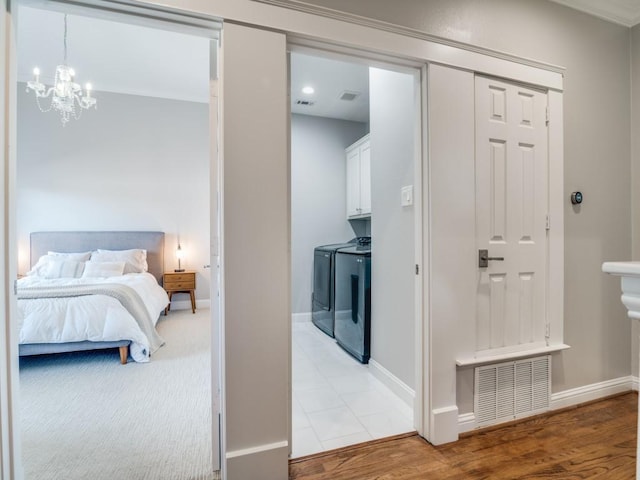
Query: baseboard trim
x,y
268,462
466,422
569,398
301,317
259,449
587,393
393,383
444,428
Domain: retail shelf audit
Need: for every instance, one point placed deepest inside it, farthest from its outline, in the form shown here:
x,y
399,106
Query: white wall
x,y
318,195
135,163
392,117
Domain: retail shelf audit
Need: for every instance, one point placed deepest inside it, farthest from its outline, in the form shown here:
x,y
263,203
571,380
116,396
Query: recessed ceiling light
x,y
308,90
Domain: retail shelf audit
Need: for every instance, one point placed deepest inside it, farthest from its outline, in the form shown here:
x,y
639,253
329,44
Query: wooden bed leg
x,y
124,353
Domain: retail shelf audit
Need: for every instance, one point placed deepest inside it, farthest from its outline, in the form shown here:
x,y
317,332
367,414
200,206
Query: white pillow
x,y
102,269
62,269
135,259
39,269
78,257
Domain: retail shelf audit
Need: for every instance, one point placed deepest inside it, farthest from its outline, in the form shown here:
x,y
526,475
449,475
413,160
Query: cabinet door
x,y
365,179
353,182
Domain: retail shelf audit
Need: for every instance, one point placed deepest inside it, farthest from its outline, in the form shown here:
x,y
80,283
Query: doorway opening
x,y
141,162
355,163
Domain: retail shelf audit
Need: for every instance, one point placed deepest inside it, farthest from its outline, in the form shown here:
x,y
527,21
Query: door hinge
x,y
547,115
417,269
547,330
547,224
15,287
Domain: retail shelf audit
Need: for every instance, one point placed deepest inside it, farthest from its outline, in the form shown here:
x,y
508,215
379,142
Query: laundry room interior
x,y
355,230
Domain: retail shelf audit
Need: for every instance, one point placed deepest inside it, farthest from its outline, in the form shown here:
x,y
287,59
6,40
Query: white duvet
x,y
94,318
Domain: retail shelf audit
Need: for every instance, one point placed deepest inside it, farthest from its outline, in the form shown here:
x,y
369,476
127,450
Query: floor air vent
x,y
510,390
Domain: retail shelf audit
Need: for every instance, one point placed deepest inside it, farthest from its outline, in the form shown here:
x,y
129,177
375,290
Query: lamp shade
x,y
180,255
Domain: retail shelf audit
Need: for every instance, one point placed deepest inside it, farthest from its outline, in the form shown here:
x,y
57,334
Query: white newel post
x,y
630,283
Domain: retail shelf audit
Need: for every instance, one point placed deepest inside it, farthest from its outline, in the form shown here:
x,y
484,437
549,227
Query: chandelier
x,y
66,95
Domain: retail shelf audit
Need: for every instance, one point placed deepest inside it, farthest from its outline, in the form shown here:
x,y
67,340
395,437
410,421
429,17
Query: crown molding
x,y
622,12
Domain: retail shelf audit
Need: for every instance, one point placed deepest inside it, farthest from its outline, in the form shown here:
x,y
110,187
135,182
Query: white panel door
x,y
511,214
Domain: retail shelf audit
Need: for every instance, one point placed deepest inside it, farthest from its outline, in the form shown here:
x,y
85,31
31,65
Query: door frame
x,y
216,227
150,16
418,70
11,454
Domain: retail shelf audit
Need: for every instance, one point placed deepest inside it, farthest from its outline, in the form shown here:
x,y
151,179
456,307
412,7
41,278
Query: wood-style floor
x,y
596,440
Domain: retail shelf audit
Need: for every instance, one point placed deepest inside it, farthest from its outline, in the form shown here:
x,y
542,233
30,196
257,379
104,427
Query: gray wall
x,y
635,170
135,163
318,195
597,108
392,117
257,301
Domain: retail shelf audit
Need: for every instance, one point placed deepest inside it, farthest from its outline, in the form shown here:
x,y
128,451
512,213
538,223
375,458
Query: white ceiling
x,y
329,78
624,12
114,57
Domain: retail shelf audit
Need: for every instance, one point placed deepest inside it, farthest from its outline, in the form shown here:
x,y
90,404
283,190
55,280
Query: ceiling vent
x,y
305,103
349,96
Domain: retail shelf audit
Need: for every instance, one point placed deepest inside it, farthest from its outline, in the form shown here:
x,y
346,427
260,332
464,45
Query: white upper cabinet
x,y
359,179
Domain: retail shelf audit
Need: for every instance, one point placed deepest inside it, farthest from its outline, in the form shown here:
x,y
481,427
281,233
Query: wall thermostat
x,y
576,198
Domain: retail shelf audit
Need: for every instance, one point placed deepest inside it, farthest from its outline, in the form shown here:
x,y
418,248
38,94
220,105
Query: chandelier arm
x,y
77,113
80,105
42,109
47,94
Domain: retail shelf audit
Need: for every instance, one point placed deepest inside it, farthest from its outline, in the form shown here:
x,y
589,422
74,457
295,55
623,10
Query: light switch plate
x,y
406,194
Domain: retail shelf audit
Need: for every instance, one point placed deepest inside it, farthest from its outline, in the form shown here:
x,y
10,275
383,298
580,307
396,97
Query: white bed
x,y
105,300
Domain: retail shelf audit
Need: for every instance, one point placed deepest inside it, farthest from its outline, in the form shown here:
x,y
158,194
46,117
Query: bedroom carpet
x,y
85,416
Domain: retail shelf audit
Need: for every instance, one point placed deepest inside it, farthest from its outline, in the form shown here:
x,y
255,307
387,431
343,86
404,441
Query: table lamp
x,y
180,255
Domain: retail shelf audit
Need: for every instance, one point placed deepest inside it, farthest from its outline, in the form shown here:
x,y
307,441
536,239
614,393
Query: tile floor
x,y
336,400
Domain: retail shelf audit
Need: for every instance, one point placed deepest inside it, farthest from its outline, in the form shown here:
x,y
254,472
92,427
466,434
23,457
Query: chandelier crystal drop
x,y
66,95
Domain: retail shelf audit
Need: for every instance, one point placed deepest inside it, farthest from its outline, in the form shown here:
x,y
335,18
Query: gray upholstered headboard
x,y
152,242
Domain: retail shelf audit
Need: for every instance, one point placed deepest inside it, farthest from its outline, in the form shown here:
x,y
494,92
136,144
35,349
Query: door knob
x,y
483,258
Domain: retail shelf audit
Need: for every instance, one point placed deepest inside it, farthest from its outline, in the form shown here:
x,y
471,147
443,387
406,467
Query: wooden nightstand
x,y
180,282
